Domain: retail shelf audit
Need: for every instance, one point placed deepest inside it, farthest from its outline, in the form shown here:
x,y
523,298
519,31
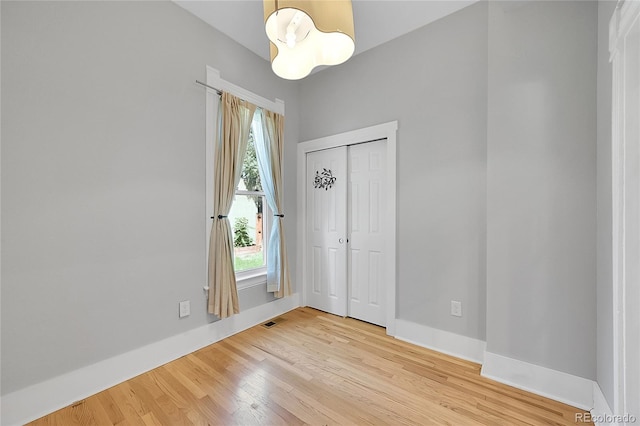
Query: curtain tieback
x,y
219,217
279,215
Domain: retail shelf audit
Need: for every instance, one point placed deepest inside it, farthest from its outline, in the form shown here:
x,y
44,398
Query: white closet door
x,y
326,251
366,254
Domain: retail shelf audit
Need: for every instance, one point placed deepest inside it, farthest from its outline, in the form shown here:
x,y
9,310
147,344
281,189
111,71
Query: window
x,y
247,274
249,216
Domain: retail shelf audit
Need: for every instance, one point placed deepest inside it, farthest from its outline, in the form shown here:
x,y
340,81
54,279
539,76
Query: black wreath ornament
x,y
324,180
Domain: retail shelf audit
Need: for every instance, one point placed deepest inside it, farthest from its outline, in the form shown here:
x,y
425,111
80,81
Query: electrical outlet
x,y
184,309
456,308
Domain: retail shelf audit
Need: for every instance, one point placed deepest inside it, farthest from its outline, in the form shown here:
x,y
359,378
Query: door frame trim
x,y
625,15
381,131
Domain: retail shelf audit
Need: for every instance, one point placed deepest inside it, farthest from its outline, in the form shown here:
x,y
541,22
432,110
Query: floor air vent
x,y
269,324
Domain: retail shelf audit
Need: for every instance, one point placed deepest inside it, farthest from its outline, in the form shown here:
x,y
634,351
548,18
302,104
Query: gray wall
x,y
496,101
605,371
103,177
541,180
433,81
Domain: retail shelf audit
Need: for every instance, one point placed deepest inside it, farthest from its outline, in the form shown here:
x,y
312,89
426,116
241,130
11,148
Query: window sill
x,y
251,279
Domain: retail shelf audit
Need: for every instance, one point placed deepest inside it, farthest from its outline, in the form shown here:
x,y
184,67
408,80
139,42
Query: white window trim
x,y
253,277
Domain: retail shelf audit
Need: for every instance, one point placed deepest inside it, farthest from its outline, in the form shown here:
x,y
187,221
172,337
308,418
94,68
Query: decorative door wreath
x,y
324,180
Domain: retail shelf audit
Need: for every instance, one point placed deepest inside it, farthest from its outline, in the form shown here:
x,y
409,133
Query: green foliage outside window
x,y
250,174
241,234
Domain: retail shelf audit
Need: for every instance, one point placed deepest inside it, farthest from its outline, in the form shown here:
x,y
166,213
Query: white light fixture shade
x,y
305,34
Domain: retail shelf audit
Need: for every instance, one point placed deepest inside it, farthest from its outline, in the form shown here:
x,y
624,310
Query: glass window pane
x,y
246,222
250,177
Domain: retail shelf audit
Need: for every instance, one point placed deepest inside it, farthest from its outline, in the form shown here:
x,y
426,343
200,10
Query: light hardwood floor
x,y
313,368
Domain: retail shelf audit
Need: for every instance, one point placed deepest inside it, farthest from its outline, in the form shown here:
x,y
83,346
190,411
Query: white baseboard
x,y
43,398
567,388
439,340
601,413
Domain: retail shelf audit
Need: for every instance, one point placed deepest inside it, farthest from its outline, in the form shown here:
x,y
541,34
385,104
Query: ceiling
x,y
375,21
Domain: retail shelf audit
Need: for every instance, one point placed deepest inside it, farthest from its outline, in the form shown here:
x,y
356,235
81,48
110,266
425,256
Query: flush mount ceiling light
x,y
307,33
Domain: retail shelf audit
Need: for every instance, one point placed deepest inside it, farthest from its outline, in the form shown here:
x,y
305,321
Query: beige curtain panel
x,y
270,163
229,152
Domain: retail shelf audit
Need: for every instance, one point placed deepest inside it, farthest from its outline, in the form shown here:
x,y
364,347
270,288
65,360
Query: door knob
x,y
341,241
